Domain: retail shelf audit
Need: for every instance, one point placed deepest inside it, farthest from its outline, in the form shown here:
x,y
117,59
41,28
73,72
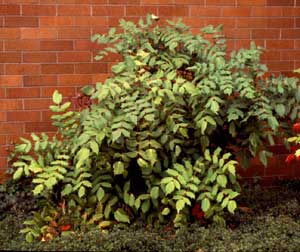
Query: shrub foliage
x,y
163,133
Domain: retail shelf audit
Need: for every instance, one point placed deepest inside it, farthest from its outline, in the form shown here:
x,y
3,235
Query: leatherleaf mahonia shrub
x,y
159,138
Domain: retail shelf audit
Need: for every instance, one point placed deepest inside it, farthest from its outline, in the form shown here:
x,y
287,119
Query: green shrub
x,y
158,136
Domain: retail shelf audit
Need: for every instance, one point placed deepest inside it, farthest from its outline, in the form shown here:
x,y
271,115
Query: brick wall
x,y
45,45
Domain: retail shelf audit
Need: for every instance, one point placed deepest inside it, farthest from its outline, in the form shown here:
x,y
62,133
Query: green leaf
x,y
94,147
205,204
118,168
29,237
38,189
81,192
166,211
231,206
214,106
18,173
88,90
100,194
222,180
145,206
154,193
142,163
280,109
180,205
151,156
67,190
50,182
170,187
121,216
56,97
82,155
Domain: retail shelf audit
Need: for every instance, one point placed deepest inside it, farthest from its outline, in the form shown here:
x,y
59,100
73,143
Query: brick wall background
x,y
45,45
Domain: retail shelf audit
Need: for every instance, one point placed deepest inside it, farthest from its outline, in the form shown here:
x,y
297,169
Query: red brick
x,y
236,12
290,55
26,69
267,12
65,91
86,45
56,21
280,2
99,77
280,65
10,57
75,79
252,23
21,22
291,12
2,139
11,128
194,22
117,11
205,11
10,104
22,45
250,2
297,66
227,22
46,80
74,57
265,33
38,10
74,33
73,10
297,44
158,2
290,33
22,92
237,33
127,1
51,45
21,1
270,55
220,2
280,44
280,22
80,1
2,92
91,21
38,33
3,117
9,9
57,68
11,80
277,166
24,116
46,116
90,68
173,11
37,104
39,57
10,33
39,127
198,2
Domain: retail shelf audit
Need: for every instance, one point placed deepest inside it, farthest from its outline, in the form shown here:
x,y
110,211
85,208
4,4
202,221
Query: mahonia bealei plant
x,y
164,133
